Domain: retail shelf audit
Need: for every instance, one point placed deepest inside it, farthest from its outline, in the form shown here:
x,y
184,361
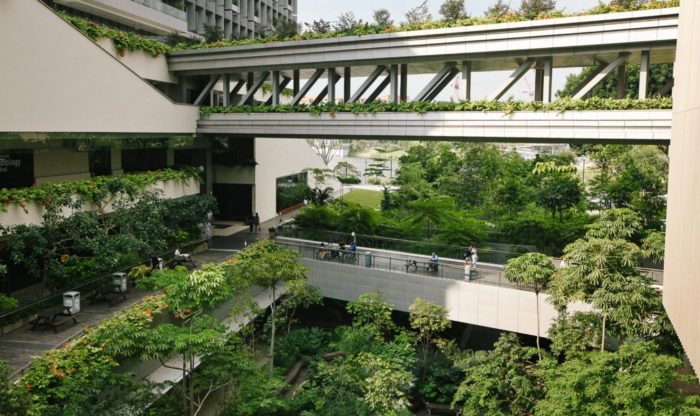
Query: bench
x,y
427,267
54,320
439,409
105,293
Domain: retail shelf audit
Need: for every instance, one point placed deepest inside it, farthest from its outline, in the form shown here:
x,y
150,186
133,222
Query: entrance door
x,y
235,201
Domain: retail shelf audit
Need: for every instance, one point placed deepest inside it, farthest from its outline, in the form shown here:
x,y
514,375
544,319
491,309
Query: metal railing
x,y
164,8
400,263
486,252
56,298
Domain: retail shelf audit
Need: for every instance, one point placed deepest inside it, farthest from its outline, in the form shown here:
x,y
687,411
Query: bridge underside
x,y
629,127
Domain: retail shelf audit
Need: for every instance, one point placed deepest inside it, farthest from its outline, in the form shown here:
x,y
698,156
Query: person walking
x,y
467,268
256,220
474,257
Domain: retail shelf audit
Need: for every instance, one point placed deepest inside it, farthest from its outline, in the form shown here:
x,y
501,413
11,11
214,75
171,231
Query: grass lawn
x,y
369,199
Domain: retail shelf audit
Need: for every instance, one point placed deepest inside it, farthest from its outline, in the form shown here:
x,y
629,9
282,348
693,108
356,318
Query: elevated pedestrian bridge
x,y
486,299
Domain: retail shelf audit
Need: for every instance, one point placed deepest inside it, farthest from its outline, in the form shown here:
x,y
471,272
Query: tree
x,y
531,269
268,265
382,17
659,76
632,381
346,22
419,14
287,28
13,402
6,302
511,196
320,26
559,192
376,168
212,33
497,382
498,9
345,170
432,211
372,313
298,294
530,9
326,149
429,320
453,10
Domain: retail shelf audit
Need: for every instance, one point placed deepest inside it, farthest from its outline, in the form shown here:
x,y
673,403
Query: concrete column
x,y
543,81
275,87
170,157
296,81
227,89
347,84
394,83
644,75
250,81
331,84
466,84
210,170
404,83
622,81
115,154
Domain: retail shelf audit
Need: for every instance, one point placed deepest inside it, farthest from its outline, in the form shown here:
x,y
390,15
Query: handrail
x,y
485,252
53,298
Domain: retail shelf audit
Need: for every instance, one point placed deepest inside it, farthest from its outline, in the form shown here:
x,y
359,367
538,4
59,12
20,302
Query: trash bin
x,y
467,273
368,259
472,274
71,302
119,282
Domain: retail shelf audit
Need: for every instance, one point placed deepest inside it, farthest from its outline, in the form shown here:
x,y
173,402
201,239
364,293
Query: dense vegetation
x,y
131,223
347,25
506,107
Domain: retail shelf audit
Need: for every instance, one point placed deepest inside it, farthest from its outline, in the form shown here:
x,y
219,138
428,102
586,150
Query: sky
x,y
483,84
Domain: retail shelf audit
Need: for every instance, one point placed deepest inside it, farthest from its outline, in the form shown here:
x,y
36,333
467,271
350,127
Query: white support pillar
x,y
347,84
227,90
404,83
622,80
543,81
296,81
512,79
394,83
275,87
332,79
644,75
465,87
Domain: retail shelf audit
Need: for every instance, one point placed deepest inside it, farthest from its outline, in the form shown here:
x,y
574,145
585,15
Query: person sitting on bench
x,y
434,263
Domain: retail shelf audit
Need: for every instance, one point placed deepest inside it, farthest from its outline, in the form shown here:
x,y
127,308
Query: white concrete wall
x,y
682,263
145,65
469,302
32,213
277,158
243,175
57,80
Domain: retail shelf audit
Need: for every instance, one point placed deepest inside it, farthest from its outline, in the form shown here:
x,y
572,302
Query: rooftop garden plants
x,y
128,41
507,107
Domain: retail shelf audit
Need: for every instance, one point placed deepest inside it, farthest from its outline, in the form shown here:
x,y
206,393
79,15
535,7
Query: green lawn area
x,y
369,199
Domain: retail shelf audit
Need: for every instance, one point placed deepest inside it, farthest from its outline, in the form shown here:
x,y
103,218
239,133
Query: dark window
x,y
235,201
101,161
194,158
142,160
234,152
16,169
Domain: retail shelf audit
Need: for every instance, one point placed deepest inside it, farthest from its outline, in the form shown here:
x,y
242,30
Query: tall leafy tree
x,y
632,381
530,9
373,313
429,320
347,21
498,9
382,17
268,265
419,14
501,381
534,270
453,10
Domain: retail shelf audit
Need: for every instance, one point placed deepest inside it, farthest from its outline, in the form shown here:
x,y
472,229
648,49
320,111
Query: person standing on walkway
x,y
256,220
475,257
467,268
208,233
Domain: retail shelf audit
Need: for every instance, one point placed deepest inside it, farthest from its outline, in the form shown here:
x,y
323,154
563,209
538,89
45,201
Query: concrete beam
x,y
207,88
512,79
367,83
309,84
597,78
347,83
248,97
543,81
227,89
404,83
394,83
465,86
380,88
283,84
437,79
